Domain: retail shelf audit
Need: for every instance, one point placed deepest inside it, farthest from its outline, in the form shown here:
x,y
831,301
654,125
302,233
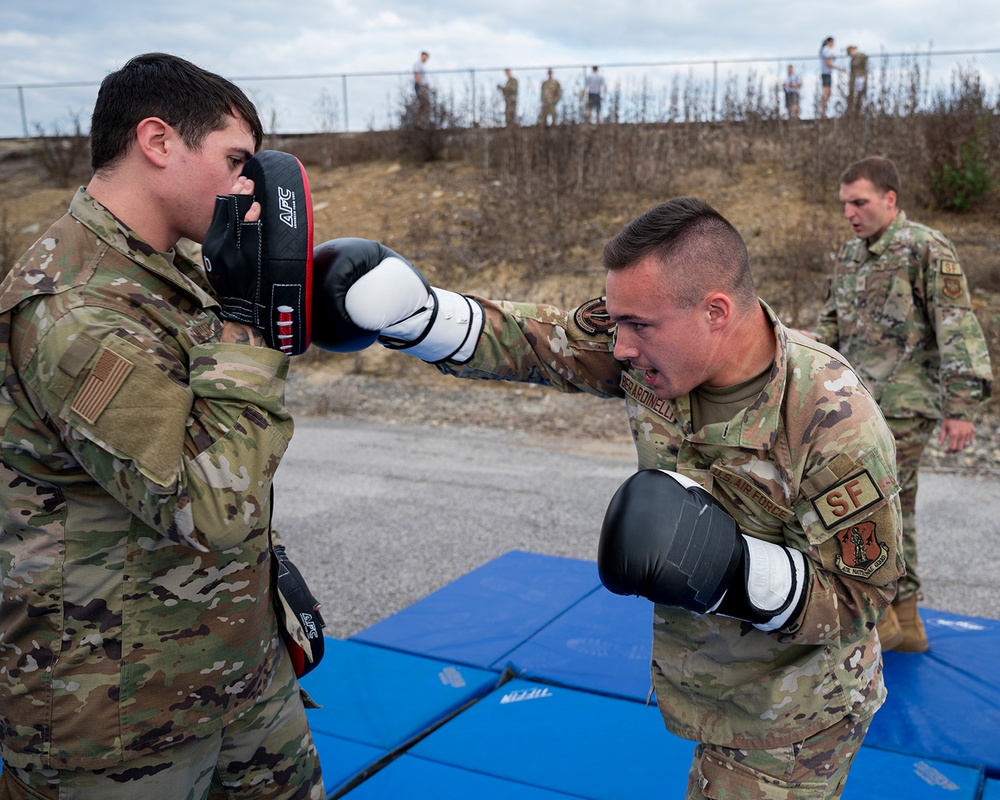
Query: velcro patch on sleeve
x,y
593,318
101,385
861,552
848,497
951,268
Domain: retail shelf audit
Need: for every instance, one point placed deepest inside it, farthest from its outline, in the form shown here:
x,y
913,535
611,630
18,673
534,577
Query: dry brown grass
x,y
524,212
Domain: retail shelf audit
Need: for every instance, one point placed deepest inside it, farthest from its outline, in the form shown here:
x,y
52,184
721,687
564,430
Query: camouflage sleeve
x,y
191,449
851,521
571,351
826,328
965,373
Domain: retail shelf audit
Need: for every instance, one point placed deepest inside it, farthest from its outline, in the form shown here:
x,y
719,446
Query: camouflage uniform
x,y
509,90
137,459
899,311
809,465
551,95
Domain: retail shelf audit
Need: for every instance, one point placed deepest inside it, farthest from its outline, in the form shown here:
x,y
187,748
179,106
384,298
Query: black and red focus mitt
x,y
262,271
298,615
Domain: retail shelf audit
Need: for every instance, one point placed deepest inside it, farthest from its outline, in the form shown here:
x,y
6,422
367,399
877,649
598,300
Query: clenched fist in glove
x,y
365,292
262,271
666,539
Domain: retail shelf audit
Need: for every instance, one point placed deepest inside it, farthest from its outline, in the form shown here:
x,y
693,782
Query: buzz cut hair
x,y
879,170
698,247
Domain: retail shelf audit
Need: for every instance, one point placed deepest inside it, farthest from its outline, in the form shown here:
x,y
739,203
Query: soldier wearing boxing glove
x,y
766,596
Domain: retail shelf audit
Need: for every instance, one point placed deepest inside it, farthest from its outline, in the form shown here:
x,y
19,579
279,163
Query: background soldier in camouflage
x,y
551,95
899,310
775,426
509,91
139,650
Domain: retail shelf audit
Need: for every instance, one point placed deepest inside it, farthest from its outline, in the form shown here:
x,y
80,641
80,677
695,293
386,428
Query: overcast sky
x,y
54,41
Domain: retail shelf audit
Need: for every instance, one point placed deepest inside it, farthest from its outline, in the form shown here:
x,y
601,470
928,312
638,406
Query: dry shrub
x,y
64,156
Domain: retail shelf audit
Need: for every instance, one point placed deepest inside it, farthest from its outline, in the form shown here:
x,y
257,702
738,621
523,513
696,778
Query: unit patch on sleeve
x,y
104,380
846,498
952,287
592,317
861,553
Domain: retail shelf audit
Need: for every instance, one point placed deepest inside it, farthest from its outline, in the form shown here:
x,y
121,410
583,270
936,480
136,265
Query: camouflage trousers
x,y
813,769
912,436
268,754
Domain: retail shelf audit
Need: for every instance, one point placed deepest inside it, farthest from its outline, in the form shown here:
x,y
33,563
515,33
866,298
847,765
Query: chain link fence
x,y
636,92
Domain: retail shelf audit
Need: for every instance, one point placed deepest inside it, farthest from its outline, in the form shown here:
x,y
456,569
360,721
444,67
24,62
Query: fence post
x,y
24,116
472,75
343,90
715,91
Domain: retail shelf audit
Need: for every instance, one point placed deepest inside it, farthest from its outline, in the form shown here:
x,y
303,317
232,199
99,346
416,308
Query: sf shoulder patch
x,y
861,553
849,496
593,318
103,382
951,268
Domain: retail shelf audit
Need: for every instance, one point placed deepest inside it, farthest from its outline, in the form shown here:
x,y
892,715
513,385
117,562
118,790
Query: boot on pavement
x,y
889,631
914,635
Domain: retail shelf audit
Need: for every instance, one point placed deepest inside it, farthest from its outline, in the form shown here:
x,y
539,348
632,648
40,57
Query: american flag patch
x,y
105,379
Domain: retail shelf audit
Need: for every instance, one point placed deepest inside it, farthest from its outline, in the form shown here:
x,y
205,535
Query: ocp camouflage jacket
x,y
135,478
810,465
899,310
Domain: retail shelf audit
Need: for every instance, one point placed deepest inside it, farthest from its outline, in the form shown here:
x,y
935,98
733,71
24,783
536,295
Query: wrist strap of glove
x,y
770,589
454,323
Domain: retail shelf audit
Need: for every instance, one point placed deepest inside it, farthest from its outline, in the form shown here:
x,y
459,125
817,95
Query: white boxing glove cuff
x,y
450,332
775,581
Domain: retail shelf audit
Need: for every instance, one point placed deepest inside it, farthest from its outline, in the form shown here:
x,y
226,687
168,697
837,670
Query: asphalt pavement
x,y
377,517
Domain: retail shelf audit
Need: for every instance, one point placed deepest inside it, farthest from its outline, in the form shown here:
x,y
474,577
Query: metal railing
x,y
637,92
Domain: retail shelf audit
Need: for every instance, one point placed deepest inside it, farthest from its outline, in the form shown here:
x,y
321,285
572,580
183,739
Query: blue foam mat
x,y
991,790
417,779
945,704
343,759
601,644
484,615
886,775
564,740
382,698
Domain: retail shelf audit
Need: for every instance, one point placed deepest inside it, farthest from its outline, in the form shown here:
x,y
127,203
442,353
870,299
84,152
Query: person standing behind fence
x,y
858,84
509,91
792,87
826,68
595,86
420,87
551,95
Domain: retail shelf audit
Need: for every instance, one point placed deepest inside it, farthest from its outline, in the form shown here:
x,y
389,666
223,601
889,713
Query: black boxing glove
x,y
364,291
262,271
666,539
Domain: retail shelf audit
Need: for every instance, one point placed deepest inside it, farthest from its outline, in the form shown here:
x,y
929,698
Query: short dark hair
x,y
192,100
715,254
879,170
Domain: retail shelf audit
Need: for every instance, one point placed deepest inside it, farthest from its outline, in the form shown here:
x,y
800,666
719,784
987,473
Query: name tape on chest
x,y
103,382
848,497
645,397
